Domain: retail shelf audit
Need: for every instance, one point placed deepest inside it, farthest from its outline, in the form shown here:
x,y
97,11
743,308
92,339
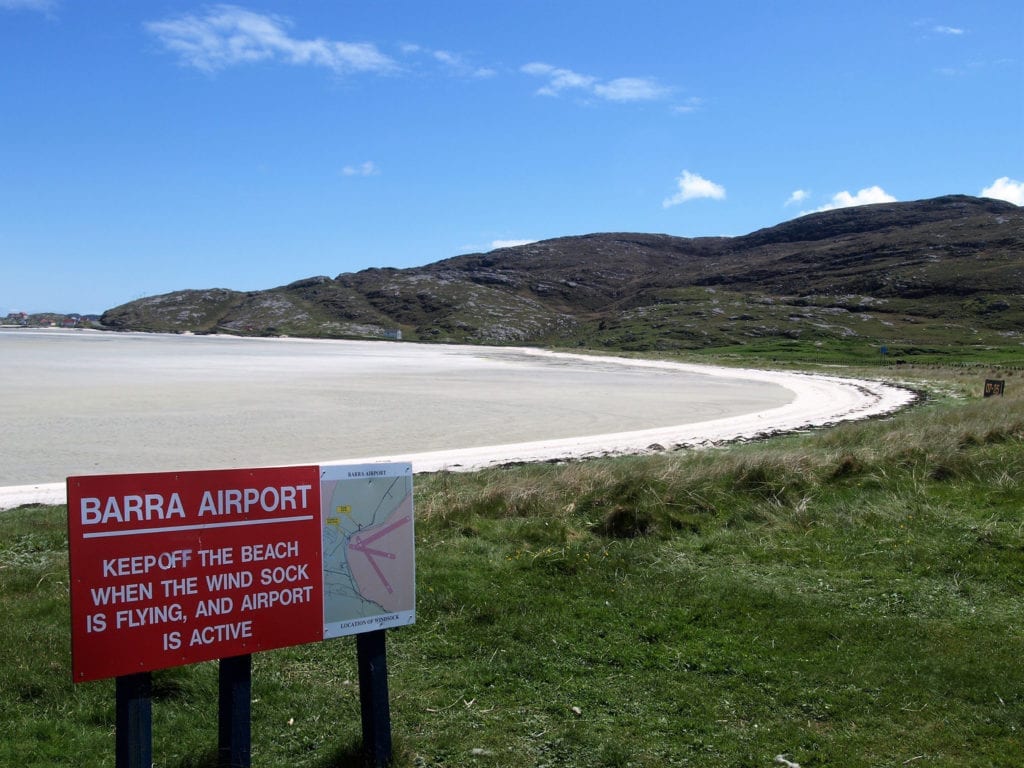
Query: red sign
x,y
180,567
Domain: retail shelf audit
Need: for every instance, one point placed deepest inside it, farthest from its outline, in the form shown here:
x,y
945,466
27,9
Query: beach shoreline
x,y
579,406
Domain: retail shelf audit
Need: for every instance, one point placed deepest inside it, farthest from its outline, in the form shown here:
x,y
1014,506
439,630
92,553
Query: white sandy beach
x,y
81,402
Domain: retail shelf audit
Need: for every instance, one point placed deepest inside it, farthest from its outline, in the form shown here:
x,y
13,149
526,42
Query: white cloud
x,y
618,89
798,196
866,196
452,62
931,26
558,79
692,187
458,66
509,243
629,89
369,168
228,35
690,105
1005,188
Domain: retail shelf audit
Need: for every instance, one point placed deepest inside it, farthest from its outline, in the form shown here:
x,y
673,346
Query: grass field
x,y
849,597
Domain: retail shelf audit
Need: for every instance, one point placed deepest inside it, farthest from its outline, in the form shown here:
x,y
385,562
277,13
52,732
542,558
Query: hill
x,y
939,273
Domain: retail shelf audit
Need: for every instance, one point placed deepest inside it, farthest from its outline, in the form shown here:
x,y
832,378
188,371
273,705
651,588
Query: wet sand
x,y
82,402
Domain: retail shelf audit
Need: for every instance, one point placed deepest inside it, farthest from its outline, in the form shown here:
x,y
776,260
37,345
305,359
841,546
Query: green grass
x,y
818,329
851,597
865,352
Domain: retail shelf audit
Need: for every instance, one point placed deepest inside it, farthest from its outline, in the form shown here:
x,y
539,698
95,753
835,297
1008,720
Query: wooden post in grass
x,y
133,721
373,696
234,745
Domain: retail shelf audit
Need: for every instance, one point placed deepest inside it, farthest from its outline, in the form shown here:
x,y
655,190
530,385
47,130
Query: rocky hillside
x,y
941,272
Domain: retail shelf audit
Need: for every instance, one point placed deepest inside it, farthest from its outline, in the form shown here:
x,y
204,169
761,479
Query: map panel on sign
x,y
368,547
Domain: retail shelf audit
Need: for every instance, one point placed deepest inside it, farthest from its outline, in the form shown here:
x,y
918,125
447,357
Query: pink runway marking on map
x,y
377,552
384,531
360,545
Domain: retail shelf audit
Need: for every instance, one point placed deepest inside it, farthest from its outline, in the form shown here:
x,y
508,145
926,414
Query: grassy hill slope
x,y
941,274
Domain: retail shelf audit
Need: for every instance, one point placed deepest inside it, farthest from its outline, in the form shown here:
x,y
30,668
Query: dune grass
x,y
849,597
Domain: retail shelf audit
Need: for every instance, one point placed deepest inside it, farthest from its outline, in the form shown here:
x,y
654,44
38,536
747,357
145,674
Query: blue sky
x,y
154,146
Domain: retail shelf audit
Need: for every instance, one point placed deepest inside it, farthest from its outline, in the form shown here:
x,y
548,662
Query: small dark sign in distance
x,y
994,387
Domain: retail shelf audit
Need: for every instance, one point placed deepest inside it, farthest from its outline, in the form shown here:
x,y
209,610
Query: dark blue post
x,y
373,696
234,712
133,721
